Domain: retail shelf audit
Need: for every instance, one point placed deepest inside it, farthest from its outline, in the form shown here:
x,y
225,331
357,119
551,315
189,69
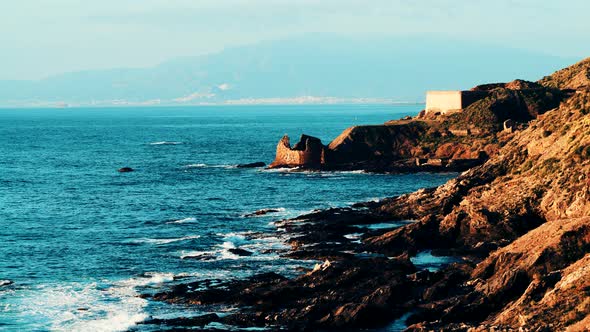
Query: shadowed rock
x,y
252,165
261,213
240,252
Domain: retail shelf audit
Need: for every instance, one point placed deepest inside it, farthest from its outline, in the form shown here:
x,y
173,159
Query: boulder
x,y
252,165
184,321
240,252
261,213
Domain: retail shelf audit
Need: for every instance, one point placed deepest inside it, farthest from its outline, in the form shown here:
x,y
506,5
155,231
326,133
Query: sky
x,y
40,38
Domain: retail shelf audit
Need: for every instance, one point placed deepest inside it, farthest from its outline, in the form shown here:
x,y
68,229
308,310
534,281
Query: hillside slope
x,y
532,202
431,142
573,77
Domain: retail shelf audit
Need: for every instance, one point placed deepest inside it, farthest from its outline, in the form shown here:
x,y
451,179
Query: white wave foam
x,y
149,278
235,239
270,242
359,171
166,143
215,255
194,254
228,245
120,321
83,307
170,240
298,170
209,166
241,240
182,221
279,170
5,282
195,165
353,236
292,214
103,307
225,254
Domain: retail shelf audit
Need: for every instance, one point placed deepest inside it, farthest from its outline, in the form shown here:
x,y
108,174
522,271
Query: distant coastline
x,y
301,100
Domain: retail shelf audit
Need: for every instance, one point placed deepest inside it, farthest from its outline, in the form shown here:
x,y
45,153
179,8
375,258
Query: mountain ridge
x,y
393,68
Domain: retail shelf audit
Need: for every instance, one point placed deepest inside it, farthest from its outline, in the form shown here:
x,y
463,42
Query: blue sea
x,y
79,241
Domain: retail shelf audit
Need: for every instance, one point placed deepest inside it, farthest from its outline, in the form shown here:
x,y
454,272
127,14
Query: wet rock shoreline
x,y
353,286
518,226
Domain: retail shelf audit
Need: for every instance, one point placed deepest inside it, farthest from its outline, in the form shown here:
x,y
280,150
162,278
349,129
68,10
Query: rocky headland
x,y
429,141
517,226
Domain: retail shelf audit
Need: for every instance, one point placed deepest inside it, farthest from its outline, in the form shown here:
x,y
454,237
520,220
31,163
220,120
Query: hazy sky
x,y
44,37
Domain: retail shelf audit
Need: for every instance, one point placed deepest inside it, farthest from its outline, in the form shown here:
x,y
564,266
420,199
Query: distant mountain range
x,y
309,68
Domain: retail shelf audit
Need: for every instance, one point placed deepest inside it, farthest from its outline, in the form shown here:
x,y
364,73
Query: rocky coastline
x,y
517,223
428,142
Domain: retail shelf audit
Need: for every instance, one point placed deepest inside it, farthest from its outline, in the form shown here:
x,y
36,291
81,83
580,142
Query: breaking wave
x,y
200,165
182,221
102,307
166,143
168,240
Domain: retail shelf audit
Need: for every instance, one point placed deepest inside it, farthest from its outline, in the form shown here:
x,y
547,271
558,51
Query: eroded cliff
x,y
531,202
430,142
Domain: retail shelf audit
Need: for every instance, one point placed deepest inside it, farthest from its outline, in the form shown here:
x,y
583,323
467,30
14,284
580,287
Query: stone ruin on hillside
x,y
308,152
446,102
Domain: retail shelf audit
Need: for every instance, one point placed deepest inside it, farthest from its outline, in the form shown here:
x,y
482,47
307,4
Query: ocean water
x,y
79,241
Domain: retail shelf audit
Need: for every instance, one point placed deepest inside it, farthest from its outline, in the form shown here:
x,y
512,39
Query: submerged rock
x,y
240,252
252,165
6,283
261,212
125,170
199,321
205,256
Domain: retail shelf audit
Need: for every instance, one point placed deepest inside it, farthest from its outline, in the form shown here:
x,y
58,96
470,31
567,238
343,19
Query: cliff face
x,y
389,142
541,174
531,202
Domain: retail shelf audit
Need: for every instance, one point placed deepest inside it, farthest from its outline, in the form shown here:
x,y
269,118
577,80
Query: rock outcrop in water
x,y
520,224
252,165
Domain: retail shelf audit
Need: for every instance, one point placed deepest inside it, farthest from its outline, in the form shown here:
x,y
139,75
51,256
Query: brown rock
x,y
261,213
573,77
252,165
240,252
